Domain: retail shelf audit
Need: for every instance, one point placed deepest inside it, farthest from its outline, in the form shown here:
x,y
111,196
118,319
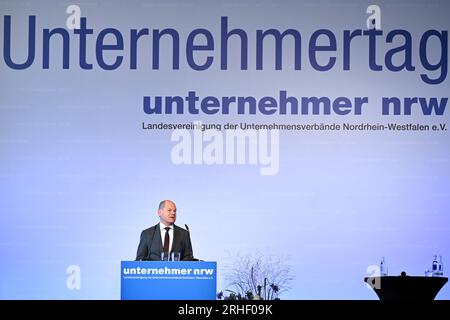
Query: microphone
x,y
187,228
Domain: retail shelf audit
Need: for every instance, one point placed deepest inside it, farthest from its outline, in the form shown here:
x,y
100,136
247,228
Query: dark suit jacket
x,y
150,246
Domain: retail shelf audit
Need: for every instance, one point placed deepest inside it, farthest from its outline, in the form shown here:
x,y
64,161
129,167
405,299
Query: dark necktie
x,y
166,240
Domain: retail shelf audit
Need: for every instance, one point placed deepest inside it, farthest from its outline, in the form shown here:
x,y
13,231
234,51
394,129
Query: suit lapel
x,y
176,240
157,242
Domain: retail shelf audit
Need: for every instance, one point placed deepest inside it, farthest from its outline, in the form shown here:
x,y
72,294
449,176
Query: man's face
x,y
168,214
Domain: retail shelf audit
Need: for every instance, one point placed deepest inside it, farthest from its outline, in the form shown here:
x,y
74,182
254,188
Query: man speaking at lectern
x,y
165,236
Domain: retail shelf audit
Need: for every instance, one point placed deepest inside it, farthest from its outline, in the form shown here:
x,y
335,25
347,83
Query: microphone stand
x,y
193,259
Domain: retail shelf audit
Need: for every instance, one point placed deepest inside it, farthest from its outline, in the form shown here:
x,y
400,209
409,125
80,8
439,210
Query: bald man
x,y
165,236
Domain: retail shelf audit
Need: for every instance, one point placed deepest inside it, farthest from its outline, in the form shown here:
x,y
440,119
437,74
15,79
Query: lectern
x,y
168,280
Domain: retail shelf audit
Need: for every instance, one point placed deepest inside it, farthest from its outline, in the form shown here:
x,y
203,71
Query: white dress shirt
x,y
162,226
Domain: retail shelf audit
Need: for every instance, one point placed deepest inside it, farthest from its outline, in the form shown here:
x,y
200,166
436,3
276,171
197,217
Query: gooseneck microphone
x,y
193,259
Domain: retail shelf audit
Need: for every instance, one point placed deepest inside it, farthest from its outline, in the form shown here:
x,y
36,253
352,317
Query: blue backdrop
x,y
80,178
